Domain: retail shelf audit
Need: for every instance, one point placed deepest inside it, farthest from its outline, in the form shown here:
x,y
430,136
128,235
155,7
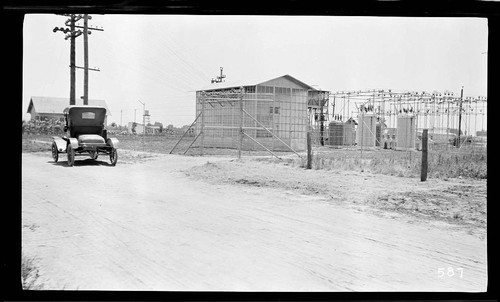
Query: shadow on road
x,y
84,162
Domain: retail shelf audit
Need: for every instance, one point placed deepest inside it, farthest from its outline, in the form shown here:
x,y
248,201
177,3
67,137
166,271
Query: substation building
x,y
274,114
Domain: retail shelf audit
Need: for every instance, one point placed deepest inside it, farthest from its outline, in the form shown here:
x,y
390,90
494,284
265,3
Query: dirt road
x,y
146,225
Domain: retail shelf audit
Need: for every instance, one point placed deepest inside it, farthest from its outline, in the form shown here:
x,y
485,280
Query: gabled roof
x,y
55,105
237,84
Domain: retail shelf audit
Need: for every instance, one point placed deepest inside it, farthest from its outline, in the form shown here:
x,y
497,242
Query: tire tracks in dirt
x,y
147,226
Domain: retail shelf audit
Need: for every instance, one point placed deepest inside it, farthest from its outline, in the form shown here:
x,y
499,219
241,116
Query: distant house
x,y
41,108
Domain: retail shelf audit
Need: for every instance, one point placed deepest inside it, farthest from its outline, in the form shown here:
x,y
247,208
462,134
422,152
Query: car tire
x,y
113,156
55,153
71,156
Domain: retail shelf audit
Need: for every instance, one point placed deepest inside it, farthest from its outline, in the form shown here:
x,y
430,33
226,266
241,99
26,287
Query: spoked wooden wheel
x,y
55,153
113,156
71,156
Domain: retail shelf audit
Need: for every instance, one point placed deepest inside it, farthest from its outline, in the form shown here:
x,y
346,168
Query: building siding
x,y
279,104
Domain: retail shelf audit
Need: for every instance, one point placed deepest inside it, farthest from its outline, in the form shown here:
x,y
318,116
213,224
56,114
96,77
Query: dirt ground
x,y
175,223
461,202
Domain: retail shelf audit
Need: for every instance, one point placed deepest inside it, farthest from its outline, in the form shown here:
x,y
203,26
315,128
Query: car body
x,y
85,135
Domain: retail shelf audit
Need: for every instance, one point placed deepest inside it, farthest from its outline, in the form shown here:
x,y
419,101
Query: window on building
x,y
265,89
249,89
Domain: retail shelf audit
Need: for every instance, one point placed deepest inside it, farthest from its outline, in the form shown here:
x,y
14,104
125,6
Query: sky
x,y
161,60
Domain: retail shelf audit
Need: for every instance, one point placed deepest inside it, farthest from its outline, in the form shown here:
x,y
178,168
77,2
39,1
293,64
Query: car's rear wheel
x,y
71,156
55,153
113,156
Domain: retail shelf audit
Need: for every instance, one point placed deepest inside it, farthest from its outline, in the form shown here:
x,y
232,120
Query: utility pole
x,y
143,117
85,60
71,34
86,33
143,123
121,116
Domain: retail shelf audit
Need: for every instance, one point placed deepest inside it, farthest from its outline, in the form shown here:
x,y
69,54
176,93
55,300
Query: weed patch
x,y
30,273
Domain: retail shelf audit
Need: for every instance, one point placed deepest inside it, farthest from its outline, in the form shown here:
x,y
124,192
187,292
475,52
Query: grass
x,y
30,273
34,146
441,164
451,163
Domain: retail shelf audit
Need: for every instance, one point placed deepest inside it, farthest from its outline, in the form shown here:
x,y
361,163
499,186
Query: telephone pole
x,y
72,92
72,33
143,117
85,60
86,33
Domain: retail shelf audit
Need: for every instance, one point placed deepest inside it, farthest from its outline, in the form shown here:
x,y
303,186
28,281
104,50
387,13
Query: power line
x,y
196,69
140,69
159,68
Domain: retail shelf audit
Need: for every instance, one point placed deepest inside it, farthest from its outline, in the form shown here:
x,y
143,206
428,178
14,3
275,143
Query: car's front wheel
x,y
71,155
113,156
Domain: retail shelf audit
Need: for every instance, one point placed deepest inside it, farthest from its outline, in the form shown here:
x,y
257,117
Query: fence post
x,y
240,137
362,137
202,127
423,171
309,150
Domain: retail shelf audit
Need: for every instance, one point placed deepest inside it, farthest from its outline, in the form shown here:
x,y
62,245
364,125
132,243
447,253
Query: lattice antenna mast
x,y
219,79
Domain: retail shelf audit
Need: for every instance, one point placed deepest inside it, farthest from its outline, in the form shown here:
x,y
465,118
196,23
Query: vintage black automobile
x,y
85,135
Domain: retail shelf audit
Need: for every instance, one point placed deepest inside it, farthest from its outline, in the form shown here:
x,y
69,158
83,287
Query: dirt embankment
x,y
460,202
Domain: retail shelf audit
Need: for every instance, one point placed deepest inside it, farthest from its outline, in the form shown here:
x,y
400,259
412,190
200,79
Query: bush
x,y
29,273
